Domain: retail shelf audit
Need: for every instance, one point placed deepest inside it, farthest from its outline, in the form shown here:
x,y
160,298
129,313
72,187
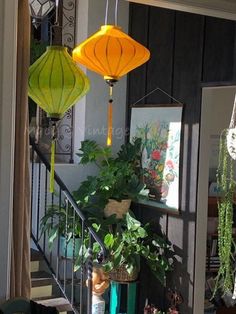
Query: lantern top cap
x,y
107,27
57,48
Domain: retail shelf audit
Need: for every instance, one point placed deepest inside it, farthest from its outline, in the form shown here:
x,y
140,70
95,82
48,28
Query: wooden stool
x,y
116,293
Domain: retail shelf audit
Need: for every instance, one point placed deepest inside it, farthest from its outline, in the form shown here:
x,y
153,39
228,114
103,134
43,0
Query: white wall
x,y
217,105
91,112
8,31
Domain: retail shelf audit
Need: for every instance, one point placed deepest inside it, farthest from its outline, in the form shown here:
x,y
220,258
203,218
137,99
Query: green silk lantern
x,y
56,83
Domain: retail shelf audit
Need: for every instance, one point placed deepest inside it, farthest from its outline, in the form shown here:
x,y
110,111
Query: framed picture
x,y
159,127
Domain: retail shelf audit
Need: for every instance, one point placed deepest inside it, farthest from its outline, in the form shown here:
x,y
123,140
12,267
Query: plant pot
x,y
116,207
67,248
121,275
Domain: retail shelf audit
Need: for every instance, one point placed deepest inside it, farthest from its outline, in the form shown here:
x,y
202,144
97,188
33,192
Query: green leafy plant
x,y
60,222
127,241
118,177
226,186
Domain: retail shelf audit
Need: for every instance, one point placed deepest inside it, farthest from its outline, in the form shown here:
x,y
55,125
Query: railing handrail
x,y
67,193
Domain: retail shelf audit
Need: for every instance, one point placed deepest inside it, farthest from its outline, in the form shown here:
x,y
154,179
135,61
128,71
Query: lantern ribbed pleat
x,y
111,53
55,82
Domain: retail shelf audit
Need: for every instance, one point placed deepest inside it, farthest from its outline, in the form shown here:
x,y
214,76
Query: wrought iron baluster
x,y
45,205
90,275
66,242
82,267
73,259
38,199
32,185
58,239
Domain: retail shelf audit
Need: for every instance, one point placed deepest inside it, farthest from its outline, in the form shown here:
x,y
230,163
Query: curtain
x,y
20,264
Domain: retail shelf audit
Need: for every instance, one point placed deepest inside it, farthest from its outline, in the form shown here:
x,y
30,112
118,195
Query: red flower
x,y
170,164
156,155
153,173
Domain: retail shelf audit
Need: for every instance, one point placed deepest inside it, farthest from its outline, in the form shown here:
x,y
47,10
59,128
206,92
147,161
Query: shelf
x,y
225,310
212,206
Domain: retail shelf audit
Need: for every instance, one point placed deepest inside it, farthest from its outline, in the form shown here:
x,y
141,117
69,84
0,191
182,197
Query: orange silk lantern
x,y
111,53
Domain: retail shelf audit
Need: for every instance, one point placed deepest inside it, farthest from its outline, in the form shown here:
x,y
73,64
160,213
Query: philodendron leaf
x,y
132,223
108,267
52,234
109,240
142,232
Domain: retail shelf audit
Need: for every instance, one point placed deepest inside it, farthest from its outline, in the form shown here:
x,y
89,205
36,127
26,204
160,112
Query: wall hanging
x,y
111,53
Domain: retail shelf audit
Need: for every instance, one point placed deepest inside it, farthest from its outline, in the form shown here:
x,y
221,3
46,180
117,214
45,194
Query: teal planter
x,y
66,248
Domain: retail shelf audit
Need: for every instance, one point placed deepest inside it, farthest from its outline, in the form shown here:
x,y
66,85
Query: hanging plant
x,y
226,185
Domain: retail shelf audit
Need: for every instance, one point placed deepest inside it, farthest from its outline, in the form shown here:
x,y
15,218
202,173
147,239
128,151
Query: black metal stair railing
x,y
76,286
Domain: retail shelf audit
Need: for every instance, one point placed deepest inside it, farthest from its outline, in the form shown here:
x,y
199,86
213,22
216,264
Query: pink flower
x,y
170,164
156,155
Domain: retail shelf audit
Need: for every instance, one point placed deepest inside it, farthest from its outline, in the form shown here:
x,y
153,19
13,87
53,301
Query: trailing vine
x,y
226,185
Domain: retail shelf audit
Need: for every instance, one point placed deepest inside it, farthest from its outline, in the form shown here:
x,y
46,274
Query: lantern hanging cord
x,y
116,12
56,23
57,8
106,14
152,91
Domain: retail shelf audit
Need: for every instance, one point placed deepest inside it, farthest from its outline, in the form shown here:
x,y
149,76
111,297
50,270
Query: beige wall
x,y
8,20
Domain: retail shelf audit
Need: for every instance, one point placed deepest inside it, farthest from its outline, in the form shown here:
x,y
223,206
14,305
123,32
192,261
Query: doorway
x,y
216,109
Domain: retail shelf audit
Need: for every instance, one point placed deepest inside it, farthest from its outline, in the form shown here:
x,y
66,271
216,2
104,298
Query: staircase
x,y
54,281
43,286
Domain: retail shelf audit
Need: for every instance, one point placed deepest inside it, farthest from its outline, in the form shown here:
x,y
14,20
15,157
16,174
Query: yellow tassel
x,y
109,125
52,166
109,117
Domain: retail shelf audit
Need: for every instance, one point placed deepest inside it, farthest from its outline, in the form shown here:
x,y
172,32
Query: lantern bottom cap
x,y
111,79
55,116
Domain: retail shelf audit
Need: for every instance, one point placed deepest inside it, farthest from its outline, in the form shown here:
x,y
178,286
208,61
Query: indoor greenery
x,y
226,186
127,241
118,177
60,221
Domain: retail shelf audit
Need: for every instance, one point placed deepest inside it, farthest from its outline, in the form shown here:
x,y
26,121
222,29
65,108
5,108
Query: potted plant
x,y
118,180
59,222
127,241
226,246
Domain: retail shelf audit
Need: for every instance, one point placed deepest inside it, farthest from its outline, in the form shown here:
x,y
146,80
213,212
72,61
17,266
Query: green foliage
x,y
127,241
60,222
226,186
118,178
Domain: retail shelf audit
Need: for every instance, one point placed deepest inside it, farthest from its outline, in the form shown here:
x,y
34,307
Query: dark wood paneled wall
x,y
186,50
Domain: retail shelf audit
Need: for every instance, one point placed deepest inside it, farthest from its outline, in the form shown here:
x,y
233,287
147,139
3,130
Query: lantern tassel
x,y
109,118
53,145
52,166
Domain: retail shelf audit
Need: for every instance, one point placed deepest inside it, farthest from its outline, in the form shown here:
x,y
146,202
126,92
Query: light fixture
x,y
111,53
39,9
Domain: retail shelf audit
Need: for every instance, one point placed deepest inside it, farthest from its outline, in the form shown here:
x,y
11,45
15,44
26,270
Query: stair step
x,y
41,284
34,266
62,305
35,258
35,255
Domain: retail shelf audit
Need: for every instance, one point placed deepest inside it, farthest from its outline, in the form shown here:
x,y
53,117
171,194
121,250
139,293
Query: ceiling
x,y
219,8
